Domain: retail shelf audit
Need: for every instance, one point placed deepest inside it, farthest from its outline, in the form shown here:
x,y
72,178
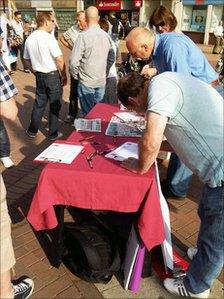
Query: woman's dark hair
x,y
130,86
104,24
162,16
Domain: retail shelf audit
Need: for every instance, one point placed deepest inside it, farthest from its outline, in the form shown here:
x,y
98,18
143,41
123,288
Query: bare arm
x,y
8,109
28,65
149,144
76,56
65,43
61,66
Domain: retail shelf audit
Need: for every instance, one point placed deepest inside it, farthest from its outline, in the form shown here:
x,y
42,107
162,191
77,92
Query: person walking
x,y
68,39
24,286
91,60
177,53
195,132
17,26
4,138
110,95
44,58
218,33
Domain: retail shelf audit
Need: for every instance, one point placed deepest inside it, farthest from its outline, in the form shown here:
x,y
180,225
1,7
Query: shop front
x,y
126,10
200,17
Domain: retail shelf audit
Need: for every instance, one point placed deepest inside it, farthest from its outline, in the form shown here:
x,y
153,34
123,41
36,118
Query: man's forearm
x,y
28,65
147,154
65,43
61,65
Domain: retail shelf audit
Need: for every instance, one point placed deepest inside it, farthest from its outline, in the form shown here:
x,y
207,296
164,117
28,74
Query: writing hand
x,y
131,164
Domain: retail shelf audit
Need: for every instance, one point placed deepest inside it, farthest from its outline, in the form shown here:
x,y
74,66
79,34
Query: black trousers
x,y
73,98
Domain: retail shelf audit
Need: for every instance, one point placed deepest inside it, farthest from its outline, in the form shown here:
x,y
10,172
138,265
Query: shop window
x,y
194,18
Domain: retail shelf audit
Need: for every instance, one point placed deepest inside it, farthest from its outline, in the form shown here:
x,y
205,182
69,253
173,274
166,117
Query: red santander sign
x,y
108,4
137,3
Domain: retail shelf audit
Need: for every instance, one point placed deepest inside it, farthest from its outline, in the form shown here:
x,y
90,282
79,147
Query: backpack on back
x,y
90,252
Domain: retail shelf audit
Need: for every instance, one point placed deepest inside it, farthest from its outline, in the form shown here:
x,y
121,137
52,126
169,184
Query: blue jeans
x,y
48,87
178,176
4,141
208,262
89,97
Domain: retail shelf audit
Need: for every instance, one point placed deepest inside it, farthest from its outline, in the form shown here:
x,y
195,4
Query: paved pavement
x,y
34,250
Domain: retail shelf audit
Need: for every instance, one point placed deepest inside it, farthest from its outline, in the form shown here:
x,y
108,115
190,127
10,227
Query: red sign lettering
x,y
108,4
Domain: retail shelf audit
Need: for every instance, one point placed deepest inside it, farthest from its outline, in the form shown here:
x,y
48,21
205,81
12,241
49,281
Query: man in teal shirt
x,y
195,132
173,52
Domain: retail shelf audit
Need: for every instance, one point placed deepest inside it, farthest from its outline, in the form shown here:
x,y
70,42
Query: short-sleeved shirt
x,y
195,122
71,34
42,49
7,87
18,27
175,52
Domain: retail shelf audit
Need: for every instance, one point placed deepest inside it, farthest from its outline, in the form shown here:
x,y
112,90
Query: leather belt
x,y
215,83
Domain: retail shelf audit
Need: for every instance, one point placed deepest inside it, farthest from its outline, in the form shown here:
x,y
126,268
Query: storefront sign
x,y
137,3
109,4
202,2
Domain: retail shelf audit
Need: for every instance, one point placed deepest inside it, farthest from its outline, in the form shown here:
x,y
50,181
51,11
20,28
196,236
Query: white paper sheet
x,y
59,152
125,151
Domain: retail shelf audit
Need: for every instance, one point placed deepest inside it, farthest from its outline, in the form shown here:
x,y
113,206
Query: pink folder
x,y
137,270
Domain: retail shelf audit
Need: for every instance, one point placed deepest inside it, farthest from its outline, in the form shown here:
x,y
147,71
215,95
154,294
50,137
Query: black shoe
x,y
167,193
58,136
23,289
31,134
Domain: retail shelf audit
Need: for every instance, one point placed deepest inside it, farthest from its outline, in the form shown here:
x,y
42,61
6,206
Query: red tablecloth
x,y
107,186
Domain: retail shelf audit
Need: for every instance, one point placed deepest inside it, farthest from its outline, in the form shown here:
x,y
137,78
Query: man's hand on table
x,y
132,165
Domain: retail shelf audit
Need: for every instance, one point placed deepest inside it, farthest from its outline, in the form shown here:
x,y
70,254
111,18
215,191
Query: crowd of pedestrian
x,y
163,92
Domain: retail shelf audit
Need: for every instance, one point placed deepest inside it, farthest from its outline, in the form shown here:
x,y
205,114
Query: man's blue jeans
x,y
4,141
89,97
178,176
208,262
48,87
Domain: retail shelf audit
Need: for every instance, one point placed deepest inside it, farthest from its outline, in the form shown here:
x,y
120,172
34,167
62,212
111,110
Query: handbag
x,y
13,40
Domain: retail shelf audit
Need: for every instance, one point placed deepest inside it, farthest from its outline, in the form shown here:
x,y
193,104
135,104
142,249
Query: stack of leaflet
x,y
88,125
127,124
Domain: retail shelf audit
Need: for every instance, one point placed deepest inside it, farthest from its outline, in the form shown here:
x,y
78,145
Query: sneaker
x,y
23,289
191,252
31,134
177,287
167,193
56,137
69,119
7,162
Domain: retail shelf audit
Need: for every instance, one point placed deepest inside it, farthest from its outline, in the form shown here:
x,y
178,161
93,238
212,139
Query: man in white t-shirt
x,y
44,58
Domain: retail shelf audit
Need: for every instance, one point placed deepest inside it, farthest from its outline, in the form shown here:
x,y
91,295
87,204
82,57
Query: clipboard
x,y
59,152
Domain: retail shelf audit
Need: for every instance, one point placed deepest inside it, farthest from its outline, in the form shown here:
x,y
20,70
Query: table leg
x,y
59,210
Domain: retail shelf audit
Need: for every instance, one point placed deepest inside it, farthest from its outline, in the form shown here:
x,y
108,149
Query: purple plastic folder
x,y
137,270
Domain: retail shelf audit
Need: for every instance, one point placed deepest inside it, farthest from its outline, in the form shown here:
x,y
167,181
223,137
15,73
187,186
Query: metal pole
x,y
4,6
